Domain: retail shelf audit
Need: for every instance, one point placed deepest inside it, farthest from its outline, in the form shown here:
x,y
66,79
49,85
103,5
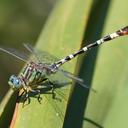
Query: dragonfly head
x,y
15,82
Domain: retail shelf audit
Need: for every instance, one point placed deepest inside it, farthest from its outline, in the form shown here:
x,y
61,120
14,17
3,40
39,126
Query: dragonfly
x,y
40,72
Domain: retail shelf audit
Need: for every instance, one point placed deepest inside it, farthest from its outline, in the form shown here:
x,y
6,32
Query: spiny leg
x,y
26,98
26,92
28,89
51,84
38,93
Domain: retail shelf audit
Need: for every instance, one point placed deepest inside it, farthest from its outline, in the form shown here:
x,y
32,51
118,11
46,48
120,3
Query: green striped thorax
x,y
31,74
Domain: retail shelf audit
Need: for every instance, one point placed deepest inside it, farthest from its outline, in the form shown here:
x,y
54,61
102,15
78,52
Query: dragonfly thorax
x,y
34,74
15,82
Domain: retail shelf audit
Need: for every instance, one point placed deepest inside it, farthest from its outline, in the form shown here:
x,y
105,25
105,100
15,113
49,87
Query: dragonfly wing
x,y
76,79
41,56
32,51
28,47
15,53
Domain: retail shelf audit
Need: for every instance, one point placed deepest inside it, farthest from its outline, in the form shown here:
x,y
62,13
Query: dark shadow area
x,y
8,112
79,96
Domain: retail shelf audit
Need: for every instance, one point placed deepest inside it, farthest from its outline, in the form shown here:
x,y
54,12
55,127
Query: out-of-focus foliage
x,y
20,22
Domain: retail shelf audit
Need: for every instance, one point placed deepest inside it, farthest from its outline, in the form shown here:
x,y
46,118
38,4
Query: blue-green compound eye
x,y
14,82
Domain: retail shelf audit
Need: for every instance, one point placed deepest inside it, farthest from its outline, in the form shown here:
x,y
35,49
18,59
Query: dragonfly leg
x,y
26,89
26,98
38,94
53,92
51,84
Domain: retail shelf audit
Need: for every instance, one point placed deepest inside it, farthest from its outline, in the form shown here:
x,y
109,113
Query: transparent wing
x,y
15,53
36,55
41,56
76,79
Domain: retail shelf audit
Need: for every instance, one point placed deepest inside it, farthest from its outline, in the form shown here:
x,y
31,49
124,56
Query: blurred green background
x,y
20,22
104,68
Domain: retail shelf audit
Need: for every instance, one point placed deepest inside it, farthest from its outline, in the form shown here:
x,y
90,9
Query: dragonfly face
x,y
15,82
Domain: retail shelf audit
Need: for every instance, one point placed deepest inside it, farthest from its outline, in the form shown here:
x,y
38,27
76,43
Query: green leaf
x,y
61,35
